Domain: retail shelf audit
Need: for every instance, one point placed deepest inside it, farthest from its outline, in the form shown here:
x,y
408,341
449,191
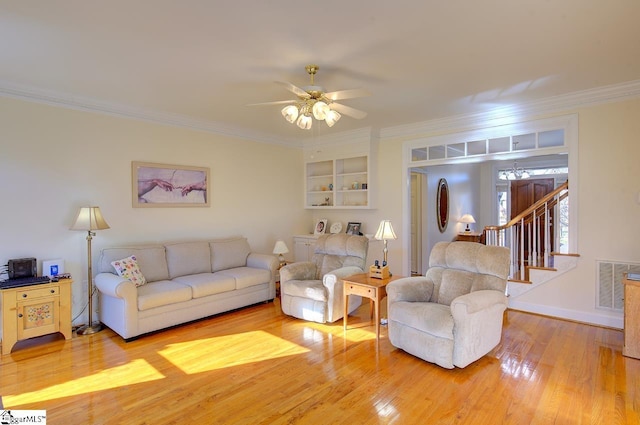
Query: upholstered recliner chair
x,y
313,290
453,315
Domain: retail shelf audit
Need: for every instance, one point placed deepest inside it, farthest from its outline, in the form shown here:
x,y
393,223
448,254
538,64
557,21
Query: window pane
x,y
419,154
524,141
499,145
455,150
436,152
551,138
477,148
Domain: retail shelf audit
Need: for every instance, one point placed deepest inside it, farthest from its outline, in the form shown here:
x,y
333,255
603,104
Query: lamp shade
x,y
467,218
385,231
332,117
89,218
280,248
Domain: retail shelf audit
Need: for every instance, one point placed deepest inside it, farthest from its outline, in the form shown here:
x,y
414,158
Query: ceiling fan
x,y
314,102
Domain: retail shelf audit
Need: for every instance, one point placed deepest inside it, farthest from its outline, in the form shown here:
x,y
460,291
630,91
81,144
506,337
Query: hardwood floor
x,y
257,366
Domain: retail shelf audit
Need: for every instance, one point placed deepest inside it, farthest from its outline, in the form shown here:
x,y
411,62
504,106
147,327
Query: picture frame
x,y
321,227
165,185
353,228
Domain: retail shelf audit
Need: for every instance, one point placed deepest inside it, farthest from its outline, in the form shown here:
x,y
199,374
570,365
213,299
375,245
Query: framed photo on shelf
x,y
353,228
163,185
321,227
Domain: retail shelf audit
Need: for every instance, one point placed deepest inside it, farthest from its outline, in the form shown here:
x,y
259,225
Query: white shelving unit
x,y
339,183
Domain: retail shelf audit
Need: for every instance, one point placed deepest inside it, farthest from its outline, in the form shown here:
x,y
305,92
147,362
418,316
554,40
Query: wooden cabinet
x,y
631,318
339,183
303,247
36,310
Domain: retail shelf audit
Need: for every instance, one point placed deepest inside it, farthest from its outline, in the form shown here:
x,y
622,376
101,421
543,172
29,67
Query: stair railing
x,y
531,234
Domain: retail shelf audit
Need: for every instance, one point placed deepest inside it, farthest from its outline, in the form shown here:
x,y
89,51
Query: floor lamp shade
x,y
89,219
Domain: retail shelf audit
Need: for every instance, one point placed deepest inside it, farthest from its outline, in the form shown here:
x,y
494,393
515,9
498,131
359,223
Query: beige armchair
x,y
312,290
453,315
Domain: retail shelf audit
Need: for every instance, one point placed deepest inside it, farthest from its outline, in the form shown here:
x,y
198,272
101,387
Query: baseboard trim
x,y
574,315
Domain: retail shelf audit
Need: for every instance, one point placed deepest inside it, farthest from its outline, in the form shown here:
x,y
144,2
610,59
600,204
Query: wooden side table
x,y
469,237
36,310
367,287
631,318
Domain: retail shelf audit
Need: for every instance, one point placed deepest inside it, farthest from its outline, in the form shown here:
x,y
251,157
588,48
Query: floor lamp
x,y
90,219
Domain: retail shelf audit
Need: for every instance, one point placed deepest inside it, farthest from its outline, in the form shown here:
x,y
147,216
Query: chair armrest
x,y
336,276
476,301
477,324
115,286
412,289
334,283
303,270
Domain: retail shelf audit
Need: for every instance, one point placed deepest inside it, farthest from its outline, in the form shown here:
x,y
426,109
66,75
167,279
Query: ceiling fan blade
x,y
294,89
347,94
348,110
277,102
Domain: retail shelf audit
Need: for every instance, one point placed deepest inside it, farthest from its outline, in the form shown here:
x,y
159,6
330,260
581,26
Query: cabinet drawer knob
x,y
53,291
24,295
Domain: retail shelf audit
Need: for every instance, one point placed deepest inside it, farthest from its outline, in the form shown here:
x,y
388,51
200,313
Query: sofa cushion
x,y
247,276
187,258
151,259
229,253
163,292
431,318
128,268
454,283
312,289
204,284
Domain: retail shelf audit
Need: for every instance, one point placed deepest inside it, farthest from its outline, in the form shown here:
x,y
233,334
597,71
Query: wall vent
x,y
610,288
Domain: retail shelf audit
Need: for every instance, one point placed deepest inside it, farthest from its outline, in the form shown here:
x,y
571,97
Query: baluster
x,y
547,241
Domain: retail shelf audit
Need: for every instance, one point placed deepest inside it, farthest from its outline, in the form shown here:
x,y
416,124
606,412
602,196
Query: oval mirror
x,y
442,205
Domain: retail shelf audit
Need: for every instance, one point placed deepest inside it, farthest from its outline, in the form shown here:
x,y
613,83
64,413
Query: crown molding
x,y
80,103
507,114
514,113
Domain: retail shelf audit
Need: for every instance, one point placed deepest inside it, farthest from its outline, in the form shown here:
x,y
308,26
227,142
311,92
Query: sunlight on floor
x,y
134,372
220,352
356,332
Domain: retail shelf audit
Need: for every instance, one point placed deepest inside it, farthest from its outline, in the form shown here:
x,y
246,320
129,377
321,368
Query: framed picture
x,y
353,228
321,227
162,185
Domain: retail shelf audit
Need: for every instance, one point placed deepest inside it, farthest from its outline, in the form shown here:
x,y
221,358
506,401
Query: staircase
x,y
538,240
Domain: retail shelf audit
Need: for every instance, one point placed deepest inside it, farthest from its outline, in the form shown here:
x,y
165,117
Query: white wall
x,y
609,207
55,160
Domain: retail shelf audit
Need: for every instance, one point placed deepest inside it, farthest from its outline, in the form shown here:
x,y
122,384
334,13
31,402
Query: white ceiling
x,y
421,60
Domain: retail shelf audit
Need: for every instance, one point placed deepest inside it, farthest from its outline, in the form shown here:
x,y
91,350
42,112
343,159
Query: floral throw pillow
x,y
128,269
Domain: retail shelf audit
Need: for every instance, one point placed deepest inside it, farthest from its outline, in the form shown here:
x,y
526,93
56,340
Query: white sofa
x,y
185,281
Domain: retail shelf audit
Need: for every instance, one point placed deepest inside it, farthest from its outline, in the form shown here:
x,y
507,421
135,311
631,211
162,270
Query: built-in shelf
x,y
338,183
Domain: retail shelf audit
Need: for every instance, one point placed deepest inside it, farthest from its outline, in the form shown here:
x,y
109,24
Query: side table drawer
x,y
26,294
360,290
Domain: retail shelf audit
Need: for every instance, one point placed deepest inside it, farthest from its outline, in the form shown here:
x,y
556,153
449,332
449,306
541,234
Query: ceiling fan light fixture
x,y
304,121
332,117
320,110
290,113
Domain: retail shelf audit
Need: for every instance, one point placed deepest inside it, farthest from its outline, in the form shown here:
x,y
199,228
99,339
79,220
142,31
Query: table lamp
x,y
280,248
385,232
90,219
467,219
